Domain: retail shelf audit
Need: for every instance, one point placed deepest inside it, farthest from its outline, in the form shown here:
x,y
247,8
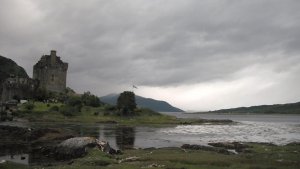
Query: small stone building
x,y
51,72
18,88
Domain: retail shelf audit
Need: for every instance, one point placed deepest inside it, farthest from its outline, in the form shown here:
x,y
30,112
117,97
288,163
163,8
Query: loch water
x,y
272,128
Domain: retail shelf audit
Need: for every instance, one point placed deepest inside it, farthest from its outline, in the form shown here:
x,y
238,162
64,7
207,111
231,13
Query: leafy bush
x,y
54,108
29,106
110,107
106,113
41,94
147,112
90,100
74,101
68,111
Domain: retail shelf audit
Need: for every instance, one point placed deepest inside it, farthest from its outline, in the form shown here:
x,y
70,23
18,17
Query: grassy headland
x,y
51,112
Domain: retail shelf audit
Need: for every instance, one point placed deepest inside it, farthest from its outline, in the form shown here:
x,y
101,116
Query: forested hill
x,y
156,105
8,67
290,108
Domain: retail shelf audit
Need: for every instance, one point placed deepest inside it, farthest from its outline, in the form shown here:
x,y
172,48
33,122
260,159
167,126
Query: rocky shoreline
x,y
62,145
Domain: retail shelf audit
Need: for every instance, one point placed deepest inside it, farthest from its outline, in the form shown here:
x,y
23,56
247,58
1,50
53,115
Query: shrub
x,y
75,102
106,113
68,111
29,106
41,94
147,112
90,100
54,108
110,107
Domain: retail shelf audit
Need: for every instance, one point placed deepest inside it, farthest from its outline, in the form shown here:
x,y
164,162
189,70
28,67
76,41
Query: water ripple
x,y
277,133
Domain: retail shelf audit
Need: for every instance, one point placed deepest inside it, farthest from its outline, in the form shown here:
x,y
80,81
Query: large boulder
x,y
74,147
78,147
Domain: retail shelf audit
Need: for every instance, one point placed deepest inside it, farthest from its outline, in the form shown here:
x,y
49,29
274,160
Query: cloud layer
x,y
211,53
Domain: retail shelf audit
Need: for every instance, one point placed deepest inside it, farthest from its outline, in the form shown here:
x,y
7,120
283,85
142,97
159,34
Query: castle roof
x,y
46,61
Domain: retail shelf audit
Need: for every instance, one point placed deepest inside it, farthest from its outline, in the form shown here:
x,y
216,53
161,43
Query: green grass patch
x,y
261,157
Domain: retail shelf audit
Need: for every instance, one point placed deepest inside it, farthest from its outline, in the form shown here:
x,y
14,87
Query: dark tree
x,y
126,103
72,107
75,102
89,99
41,94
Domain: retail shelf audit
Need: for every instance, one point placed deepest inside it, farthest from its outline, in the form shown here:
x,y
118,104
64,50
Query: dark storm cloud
x,y
112,43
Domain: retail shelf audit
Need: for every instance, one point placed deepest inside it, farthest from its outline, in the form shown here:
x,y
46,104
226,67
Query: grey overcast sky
x,y
195,54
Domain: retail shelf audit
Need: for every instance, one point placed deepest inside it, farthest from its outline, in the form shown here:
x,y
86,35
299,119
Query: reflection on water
x,y
119,137
16,153
19,158
23,154
125,137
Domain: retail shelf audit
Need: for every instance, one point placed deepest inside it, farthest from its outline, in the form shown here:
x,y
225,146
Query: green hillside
x,y
8,67
290,108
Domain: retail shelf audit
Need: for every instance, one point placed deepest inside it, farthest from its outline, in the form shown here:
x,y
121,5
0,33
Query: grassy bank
x,y
260,156
42,112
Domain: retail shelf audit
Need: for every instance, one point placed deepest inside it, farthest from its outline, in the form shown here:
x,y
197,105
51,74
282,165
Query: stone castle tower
x,y
51,72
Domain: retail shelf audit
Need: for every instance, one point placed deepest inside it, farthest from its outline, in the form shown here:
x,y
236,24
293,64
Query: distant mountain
x,y
289,108
9,67
156,105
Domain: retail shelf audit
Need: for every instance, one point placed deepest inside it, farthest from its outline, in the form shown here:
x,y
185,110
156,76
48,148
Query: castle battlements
x,y
51,72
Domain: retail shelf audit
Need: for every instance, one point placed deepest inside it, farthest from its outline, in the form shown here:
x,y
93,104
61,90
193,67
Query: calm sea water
x,y
277,129
281,118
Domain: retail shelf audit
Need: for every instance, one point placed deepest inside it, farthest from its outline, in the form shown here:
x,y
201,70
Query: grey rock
x,y
74,147
78,147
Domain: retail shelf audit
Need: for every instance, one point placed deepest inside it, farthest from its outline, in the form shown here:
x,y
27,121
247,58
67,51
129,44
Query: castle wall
x,y
21,88
51,73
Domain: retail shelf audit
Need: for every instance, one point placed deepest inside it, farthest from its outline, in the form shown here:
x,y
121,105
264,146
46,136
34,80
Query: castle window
x,y
52,78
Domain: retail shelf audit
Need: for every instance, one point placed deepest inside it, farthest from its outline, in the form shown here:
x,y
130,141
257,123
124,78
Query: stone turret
x,y
51,72
53,57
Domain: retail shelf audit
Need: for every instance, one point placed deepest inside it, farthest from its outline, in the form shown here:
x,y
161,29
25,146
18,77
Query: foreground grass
x,y
260,157
44,113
